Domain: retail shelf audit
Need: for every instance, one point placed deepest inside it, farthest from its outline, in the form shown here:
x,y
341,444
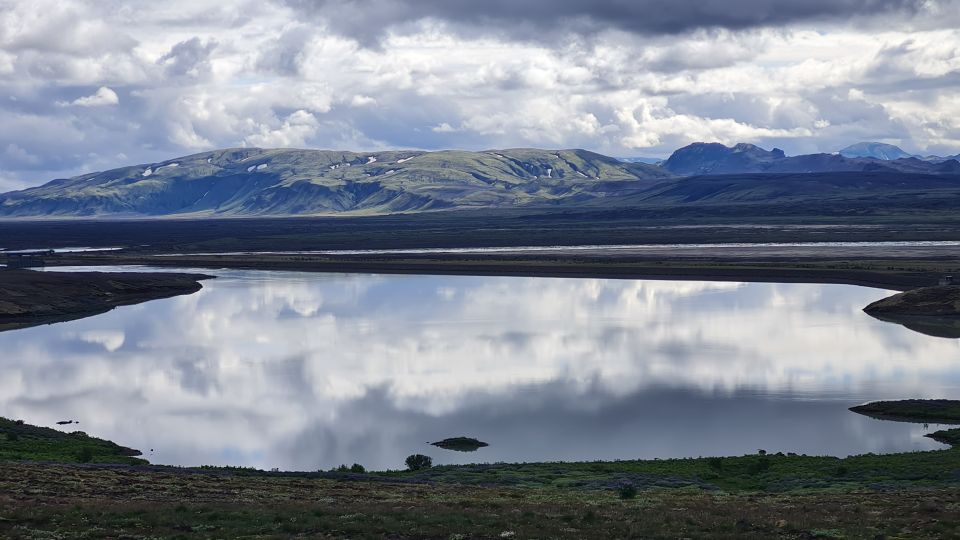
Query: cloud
x,y
368,20
295,130
443,127
190,58
103,96
14,155
90,86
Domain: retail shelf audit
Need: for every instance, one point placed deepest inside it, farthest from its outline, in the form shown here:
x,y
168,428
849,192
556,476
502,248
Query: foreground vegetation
x,y
58,501
97,489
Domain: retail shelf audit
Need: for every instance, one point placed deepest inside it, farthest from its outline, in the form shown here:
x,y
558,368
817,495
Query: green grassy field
x,y
66,502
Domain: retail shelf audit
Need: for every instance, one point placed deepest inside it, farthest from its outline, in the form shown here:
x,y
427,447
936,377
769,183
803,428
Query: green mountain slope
x,y
278,182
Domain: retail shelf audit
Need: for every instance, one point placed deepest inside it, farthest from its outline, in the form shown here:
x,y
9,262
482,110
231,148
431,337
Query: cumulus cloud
x,y
295,130
90,85
103,96
190,58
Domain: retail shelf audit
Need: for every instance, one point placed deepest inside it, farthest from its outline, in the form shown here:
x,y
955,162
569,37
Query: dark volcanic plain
x,y
291,244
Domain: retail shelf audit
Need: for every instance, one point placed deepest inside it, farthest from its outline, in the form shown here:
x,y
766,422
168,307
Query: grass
x,y
69,502
771,473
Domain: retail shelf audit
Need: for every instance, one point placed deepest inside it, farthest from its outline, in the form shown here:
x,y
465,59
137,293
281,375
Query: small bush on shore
x,y
416,462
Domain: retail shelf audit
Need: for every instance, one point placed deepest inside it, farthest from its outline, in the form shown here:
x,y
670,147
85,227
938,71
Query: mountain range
x,y
715,158
885,151
253,181
289,182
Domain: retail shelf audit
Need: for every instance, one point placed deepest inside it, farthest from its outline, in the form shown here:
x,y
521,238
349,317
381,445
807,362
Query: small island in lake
x,y
937,411
934,411
460,444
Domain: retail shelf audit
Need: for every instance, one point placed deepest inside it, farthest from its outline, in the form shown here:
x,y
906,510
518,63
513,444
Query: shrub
x,y
12,436
759,466
715,463
357,468
416,462
85,455
627,491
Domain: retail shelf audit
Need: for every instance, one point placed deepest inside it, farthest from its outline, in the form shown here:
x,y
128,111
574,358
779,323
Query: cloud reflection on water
x,y
311,370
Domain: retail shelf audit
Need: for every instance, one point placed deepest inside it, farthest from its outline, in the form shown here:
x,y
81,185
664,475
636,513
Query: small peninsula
x,y
32,298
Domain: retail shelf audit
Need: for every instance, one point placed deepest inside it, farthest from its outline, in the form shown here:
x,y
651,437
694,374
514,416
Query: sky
x,y
93,85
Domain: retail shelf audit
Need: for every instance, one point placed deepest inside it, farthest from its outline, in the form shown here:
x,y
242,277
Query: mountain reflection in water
x,y
307,371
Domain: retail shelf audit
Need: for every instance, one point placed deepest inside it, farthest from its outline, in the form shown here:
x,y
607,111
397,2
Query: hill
x,y
253,181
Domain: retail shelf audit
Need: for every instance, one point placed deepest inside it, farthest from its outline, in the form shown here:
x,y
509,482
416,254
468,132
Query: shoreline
x,y
882,273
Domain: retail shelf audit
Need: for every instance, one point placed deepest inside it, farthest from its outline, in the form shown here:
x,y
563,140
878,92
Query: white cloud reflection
x,y
302,371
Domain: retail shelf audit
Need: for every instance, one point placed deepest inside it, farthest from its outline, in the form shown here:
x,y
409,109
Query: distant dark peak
x,y
715,158
743,158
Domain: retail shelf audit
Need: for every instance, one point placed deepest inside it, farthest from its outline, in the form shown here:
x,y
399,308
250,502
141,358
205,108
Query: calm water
x,y
306,371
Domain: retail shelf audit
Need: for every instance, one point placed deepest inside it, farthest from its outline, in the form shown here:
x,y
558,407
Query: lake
x,y
305,371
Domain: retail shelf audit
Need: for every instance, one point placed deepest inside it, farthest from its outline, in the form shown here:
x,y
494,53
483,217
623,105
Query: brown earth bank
x,y
62,501
31,298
